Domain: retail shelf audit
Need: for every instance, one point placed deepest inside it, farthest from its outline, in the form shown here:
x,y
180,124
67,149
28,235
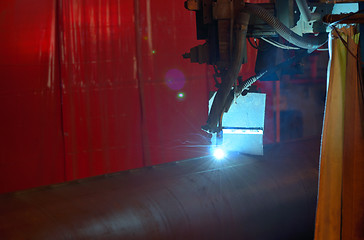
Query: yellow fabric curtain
x,y
340,212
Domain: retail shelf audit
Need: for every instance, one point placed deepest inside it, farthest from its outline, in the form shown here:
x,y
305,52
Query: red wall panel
x,y
31,151
119,112
100,89
172,126
90,87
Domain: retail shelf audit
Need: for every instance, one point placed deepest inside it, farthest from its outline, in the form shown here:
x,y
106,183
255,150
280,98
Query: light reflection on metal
x,y
243,125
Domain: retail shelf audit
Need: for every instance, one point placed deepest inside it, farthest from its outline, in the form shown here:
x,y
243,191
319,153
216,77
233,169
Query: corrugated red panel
x,y
101,103
167,30
120,111
128,98
31,152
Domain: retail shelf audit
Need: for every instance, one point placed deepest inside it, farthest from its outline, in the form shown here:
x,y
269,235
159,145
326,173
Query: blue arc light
x,y
219,154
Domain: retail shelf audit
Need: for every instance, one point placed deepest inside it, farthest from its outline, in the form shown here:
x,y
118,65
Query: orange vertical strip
x,y
353,163
340,207
328,214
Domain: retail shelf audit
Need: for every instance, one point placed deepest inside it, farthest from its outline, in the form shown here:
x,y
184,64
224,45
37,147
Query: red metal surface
x,y
31,145
120,68
173,125
100,89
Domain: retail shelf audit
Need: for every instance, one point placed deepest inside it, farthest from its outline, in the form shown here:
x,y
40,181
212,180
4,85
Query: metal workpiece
x,y
240,197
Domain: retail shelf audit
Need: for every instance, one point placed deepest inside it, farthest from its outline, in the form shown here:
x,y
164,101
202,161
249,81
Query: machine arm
x,y
224,25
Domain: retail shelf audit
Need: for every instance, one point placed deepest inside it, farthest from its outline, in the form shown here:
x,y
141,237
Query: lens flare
x,y
175,79
181,95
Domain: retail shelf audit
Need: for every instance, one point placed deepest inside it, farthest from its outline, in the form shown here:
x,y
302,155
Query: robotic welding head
x,y
225,25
